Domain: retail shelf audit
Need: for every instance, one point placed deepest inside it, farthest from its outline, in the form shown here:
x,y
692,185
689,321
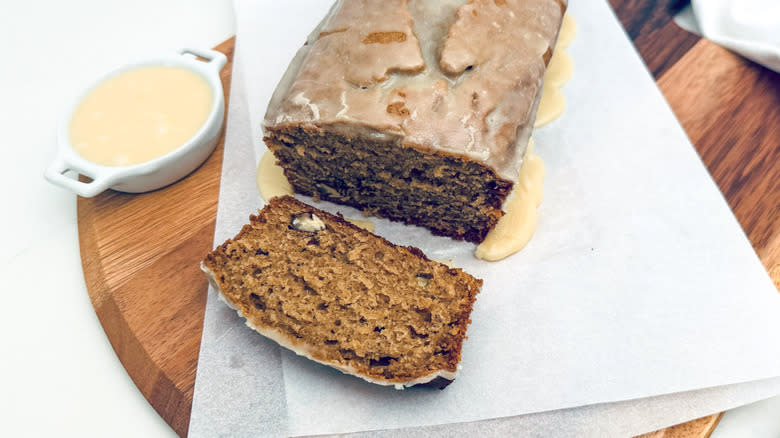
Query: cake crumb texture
x,y
343,296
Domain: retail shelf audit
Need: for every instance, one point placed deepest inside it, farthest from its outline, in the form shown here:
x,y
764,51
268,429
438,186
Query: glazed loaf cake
x,y
419,111
344,297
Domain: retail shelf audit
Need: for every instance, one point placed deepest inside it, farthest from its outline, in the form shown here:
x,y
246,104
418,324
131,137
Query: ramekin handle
x,y
213,58
55,174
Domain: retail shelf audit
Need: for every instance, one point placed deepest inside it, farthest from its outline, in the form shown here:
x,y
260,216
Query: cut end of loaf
x,y
450,195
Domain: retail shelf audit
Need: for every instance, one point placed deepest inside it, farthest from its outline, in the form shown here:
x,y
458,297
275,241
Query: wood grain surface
x,y
140,253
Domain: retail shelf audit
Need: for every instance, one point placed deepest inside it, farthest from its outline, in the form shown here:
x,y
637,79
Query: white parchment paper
x,y
639,281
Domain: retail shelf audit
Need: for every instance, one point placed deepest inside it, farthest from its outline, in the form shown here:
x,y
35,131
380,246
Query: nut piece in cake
x,y
308,222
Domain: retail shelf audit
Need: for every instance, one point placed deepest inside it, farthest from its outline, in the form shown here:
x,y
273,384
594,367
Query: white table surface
x,y
58,373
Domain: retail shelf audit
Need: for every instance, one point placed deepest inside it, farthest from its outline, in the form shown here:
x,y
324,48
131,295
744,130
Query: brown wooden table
x,y
140,253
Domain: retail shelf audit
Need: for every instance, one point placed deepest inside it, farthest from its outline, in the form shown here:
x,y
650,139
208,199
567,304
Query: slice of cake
x,y
344,297
419,111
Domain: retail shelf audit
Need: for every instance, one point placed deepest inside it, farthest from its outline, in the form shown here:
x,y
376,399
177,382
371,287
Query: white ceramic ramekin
x,y
162,170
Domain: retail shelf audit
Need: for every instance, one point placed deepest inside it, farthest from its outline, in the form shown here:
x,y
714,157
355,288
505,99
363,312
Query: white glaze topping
x,y
442,75
271,181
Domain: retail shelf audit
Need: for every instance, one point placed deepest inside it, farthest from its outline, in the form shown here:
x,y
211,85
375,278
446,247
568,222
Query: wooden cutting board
x,y
140,253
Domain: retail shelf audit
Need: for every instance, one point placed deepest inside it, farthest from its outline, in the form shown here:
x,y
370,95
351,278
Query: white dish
x,y
158,172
